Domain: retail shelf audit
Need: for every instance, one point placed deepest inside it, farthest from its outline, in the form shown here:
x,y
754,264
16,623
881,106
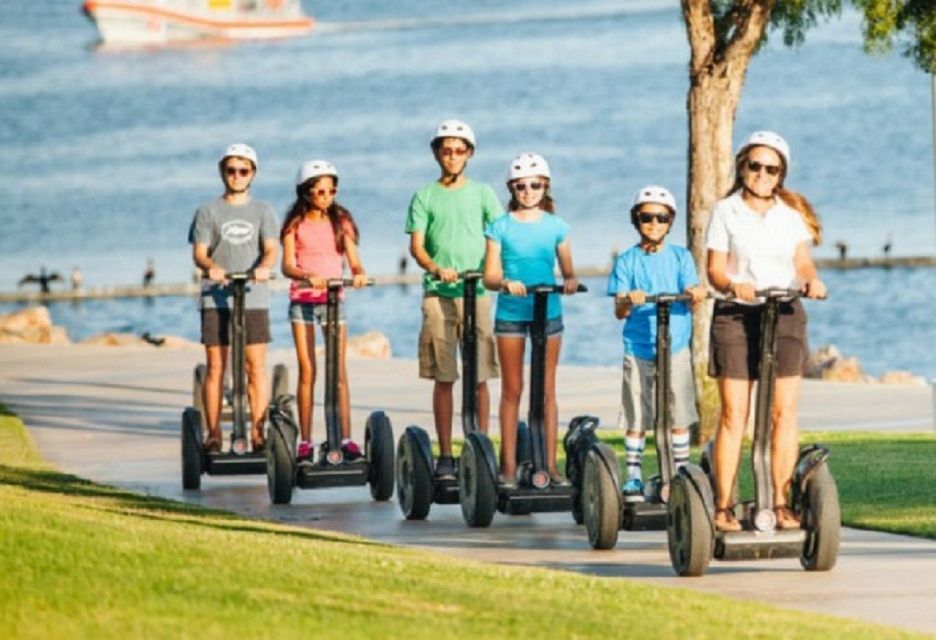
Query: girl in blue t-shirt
x,y
522,249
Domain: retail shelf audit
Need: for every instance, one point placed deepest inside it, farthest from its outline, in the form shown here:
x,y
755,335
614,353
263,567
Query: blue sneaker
x,y
633,487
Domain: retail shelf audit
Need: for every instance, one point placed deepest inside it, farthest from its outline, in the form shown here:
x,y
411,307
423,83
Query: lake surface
x,y
104,154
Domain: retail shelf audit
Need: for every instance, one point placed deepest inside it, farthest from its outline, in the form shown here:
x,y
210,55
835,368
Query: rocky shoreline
x,y
34,325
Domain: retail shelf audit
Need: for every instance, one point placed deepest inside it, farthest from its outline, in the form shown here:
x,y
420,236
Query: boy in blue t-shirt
x,y
651,267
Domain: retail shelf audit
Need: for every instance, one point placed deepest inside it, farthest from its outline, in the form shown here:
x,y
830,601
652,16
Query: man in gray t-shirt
x,y
229,234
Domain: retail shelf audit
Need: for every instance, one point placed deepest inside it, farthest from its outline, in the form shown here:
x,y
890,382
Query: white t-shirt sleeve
x,y
716,236
798,229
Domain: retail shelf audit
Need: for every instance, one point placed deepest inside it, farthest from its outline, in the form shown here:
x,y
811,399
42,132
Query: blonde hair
x,y
798,201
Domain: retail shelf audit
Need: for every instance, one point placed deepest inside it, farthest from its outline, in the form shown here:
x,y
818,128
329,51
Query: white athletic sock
x,y
634,446
681,449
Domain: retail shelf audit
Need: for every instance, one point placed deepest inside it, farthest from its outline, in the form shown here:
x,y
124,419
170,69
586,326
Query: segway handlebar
x,y
333,283
552,288
471,274
667,297
238,275
776,292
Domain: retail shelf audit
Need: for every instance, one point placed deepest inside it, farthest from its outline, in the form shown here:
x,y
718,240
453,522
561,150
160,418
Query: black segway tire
x,y
822,519
477,491
601,499
378,450
413,478
192,454
688,529
281,471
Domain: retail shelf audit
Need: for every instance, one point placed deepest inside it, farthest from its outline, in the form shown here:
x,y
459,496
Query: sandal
x,y
786,518
730,523
212,444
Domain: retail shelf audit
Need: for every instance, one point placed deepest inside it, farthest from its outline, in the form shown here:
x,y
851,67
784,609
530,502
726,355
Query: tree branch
x,y
700,29
752,17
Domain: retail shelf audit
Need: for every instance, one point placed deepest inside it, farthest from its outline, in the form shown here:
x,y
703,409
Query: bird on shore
x,y
150,274
43,279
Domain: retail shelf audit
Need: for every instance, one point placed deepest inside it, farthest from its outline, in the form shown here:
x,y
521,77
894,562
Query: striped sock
x,y
634,446
681,448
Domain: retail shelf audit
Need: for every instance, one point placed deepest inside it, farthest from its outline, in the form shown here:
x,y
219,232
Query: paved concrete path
x,y
112,415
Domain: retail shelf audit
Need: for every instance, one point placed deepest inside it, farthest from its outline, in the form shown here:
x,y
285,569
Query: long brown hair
x,y
337,215
792,199
547,204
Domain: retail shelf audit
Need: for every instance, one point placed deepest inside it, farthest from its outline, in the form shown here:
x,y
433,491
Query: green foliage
x,y
911,24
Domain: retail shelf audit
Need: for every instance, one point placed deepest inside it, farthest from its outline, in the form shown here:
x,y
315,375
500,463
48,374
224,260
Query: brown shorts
x,y
216,327
734,348
440,336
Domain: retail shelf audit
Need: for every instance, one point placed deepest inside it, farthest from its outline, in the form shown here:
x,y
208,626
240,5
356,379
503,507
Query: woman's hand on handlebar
x,y
261,274
217,274
698,294
570,286
743,291
513,287
359,280
317,283
815,289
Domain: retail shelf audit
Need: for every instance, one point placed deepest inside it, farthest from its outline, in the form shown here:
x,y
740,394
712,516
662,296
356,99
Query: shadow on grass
x,y
152,508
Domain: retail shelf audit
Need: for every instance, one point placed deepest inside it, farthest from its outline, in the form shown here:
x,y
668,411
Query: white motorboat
x,y
166,21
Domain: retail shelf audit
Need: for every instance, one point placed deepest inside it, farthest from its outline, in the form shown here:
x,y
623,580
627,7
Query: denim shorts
x,y
523,328
313,313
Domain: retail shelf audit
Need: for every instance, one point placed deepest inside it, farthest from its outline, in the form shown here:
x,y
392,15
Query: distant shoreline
x,y
192,288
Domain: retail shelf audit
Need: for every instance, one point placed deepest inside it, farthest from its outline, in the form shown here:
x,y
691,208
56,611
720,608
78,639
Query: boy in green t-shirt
x,y
446,223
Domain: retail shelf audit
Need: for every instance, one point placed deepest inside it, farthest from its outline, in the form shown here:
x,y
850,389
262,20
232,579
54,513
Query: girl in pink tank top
x,y
318,236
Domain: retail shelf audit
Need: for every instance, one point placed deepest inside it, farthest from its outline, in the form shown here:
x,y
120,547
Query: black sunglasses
x,y
534,186
647,218
755,167
243,172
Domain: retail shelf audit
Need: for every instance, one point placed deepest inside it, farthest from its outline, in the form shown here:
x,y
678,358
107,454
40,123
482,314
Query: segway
x,y
417,486
238,460
605,506
693,540
331,469
479,493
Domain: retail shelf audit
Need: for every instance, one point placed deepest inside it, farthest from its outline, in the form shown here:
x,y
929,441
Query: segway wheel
x,y
822,519
601,503
280,382
191,449
476,489
413,478
524,444
281,472
378,450
688,529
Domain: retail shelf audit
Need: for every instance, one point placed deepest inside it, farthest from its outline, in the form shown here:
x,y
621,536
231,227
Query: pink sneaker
x,y
304,451
351,450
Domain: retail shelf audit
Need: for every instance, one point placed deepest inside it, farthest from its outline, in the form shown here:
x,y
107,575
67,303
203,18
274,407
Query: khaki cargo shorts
x,y
638,392
440,335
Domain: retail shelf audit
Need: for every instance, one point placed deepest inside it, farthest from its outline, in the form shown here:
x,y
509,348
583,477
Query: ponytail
x,y
798,201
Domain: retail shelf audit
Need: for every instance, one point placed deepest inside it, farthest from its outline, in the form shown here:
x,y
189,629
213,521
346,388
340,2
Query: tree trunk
x,y
716,76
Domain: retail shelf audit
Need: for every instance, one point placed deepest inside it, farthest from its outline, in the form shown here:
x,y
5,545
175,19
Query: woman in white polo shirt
x,y
759,237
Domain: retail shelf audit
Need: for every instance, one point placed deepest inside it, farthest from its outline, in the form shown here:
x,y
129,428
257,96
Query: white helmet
x,y
527,165
315,169
240,150
655,194
769,139
454,129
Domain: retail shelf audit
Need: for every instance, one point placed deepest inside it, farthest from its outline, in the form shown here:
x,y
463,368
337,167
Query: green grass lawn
x,y
886,482
81,560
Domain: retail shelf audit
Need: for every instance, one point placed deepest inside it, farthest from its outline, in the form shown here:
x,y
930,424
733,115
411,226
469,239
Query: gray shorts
x,y
313,313
638,390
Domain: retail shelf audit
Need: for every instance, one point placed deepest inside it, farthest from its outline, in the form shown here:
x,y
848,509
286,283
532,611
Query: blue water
x,y
104,155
